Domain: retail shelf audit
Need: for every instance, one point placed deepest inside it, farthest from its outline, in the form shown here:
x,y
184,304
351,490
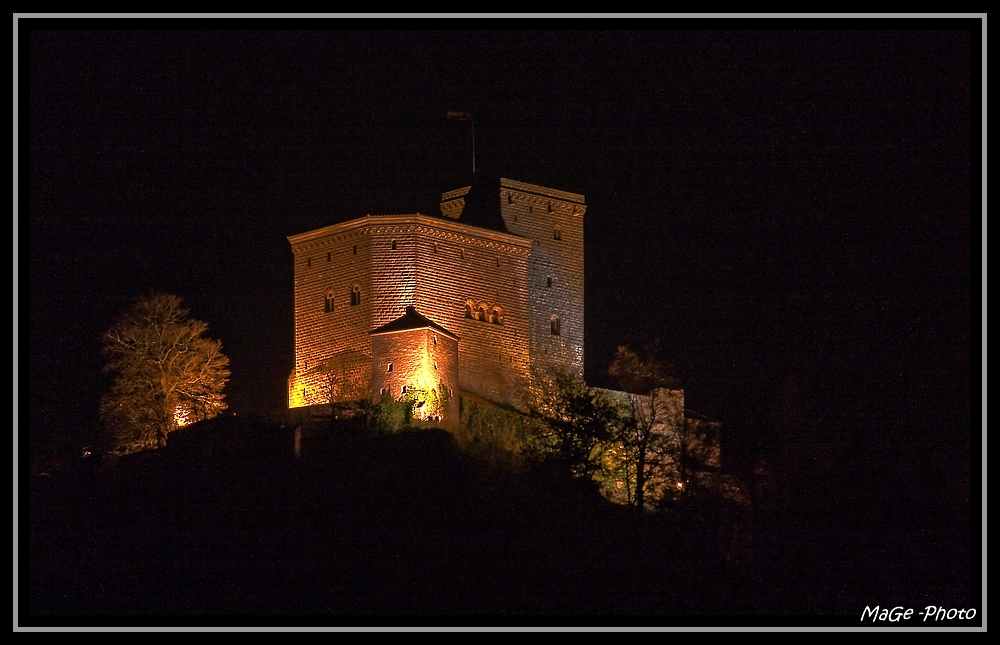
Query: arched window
x,y
557,233
328,303
468,310
394,245
554,325
355,295
548,282
496,316
389,368
482,313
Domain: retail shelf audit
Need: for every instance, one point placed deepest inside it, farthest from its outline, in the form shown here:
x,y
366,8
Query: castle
x,y
480,300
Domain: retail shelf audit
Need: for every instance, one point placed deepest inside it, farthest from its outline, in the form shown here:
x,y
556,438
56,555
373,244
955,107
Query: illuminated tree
x,y
167,374
648,453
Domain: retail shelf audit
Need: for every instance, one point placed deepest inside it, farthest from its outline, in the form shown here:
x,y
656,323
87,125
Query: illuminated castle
x,y
480,300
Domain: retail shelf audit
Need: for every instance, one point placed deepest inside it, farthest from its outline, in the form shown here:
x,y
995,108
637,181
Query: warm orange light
x,y
296,392
182,417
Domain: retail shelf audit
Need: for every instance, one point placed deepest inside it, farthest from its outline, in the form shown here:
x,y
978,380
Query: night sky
x,y
789,212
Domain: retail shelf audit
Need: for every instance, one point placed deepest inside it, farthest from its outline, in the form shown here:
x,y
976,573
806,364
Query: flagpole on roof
x,y
467,116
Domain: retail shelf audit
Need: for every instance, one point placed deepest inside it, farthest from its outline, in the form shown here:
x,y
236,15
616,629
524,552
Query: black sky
x,y
789,211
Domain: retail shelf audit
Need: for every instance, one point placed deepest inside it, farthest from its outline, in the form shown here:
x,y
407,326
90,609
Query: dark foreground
x,y
226,521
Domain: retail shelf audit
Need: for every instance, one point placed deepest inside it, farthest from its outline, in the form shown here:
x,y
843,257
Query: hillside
x,y
225,521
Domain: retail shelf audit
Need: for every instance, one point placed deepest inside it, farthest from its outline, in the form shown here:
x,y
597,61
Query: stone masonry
x,y
513,297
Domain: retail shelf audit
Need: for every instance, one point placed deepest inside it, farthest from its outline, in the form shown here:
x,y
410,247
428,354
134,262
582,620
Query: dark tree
x,y
577,421
651,435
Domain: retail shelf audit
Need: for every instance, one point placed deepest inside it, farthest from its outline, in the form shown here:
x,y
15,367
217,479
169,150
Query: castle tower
x,y
414,357
553,220
507,280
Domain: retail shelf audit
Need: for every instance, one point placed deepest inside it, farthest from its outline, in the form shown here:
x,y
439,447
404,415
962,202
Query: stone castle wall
x,y
331,264
421,359
487,273
448,270
553,220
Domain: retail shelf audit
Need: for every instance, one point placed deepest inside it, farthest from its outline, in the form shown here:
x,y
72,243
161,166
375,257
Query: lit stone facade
x,y
513,298
413,357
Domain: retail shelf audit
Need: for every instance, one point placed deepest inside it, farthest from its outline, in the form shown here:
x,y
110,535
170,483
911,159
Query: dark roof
x,y
482,203
411,320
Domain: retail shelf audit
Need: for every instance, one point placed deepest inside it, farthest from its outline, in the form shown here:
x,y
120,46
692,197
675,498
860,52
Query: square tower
x,y
553,220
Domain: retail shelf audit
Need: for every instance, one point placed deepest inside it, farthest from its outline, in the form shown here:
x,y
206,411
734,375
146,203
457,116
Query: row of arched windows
x,y
494,314
482,311
328,300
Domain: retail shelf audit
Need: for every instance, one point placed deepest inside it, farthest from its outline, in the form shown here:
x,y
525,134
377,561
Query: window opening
x,y
554,325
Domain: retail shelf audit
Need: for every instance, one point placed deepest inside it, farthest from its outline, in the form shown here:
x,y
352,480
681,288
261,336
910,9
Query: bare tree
x,y
166,373
651,434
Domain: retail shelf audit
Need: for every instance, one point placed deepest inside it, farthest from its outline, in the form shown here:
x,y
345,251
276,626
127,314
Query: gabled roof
x,y
411,320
